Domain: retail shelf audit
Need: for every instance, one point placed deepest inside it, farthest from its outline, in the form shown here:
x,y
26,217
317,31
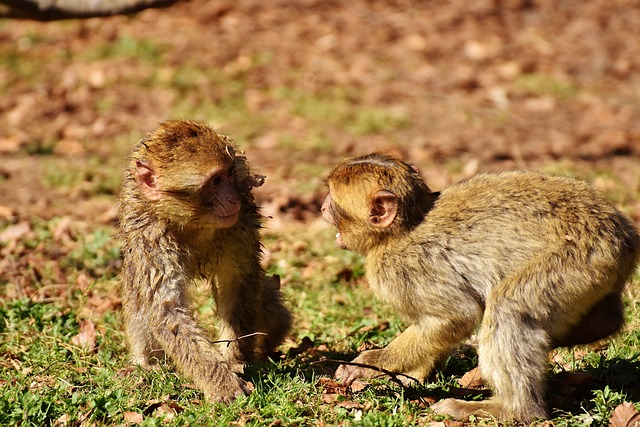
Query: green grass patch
x,y
93,176
126,47
336,108
48,378
542,84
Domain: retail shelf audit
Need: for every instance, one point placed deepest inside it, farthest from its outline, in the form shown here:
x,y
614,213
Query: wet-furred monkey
x,y
536,261
186,213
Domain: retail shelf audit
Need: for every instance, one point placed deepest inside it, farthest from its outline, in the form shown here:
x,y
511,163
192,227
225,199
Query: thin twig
x,y
393,376
240,338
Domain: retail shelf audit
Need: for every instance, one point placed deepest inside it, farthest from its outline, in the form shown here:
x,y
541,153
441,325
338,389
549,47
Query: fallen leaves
x,y
334,392
133,417
15,232
625,415
87,338
472,379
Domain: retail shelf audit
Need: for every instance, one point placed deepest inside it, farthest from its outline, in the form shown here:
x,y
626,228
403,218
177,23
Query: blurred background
x,y
455,87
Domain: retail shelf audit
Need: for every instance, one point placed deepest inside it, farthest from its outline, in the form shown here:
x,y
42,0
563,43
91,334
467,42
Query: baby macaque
x,y
187,212
537,261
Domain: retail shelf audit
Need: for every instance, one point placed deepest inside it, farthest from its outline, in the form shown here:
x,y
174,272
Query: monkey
x,y
535,261
187,212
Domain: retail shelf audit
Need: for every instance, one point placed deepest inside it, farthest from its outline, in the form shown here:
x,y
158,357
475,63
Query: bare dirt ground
x,y
455,87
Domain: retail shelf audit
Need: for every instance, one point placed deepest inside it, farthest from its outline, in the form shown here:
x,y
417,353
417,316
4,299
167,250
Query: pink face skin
x,y
219,194
218,202
327,216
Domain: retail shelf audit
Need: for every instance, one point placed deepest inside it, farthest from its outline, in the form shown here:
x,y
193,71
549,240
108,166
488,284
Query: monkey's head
x,y
190,175
374,197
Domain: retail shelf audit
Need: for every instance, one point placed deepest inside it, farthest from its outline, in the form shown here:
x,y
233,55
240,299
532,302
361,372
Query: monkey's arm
x,y
189,347
415,352
157,318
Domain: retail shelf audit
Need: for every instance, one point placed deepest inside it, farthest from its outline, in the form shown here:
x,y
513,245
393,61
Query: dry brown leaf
x,y
126,371
472,379
11,144
167,411
87,336
329,397
62,421
331,389
62,230
15,232
358,385
382,326
133,417
348,404
6,211
424,401
625,415
328,382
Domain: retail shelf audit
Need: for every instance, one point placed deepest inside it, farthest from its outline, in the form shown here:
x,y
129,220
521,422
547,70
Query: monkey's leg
x,y
415,352
513,360
276,319
239,302
515,335
603,319
248,301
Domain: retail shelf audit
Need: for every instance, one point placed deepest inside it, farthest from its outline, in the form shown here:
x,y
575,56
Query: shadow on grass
x,y
568,393
573,392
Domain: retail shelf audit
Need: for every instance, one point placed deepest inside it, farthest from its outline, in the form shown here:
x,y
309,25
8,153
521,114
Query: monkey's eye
x,y
215,181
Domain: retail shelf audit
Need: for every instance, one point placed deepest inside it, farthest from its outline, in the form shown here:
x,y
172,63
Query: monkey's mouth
x,y
339,241
227,220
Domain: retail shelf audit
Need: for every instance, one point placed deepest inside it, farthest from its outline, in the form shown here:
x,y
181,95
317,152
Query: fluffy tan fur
x,y
179,185
536,261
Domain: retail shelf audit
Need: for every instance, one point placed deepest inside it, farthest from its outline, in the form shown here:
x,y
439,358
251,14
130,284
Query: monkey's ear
x,y
384,207
147,180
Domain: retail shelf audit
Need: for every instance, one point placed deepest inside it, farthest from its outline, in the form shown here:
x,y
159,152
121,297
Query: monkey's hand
x,y
349,373
228,388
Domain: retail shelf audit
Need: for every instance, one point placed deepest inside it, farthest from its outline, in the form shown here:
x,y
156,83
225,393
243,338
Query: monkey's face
x,y
372,198
219,201
329,214
360,212
192,198
187,174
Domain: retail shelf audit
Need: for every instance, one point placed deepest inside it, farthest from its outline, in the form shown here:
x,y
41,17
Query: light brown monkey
x,y
187,212
536,261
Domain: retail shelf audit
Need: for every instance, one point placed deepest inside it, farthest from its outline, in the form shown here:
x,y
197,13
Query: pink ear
x,y
147,181
384,207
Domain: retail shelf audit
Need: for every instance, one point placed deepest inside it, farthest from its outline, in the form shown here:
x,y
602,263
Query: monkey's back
x,y
484,229
529,211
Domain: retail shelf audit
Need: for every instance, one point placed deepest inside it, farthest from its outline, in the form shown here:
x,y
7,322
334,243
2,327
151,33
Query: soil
x,y
473,86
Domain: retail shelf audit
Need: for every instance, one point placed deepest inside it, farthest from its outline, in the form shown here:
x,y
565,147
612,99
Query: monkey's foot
x,y
462,410
349,373
226,392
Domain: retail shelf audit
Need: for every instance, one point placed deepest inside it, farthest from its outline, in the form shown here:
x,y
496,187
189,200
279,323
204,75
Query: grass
x,y
545,85
48,379
336,107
